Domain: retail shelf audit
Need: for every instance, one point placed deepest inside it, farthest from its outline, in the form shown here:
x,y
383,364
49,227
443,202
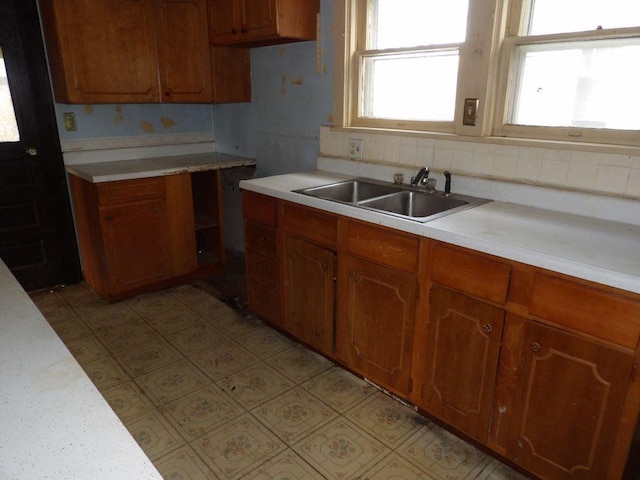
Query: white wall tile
x,y
612,179
582,176
633,185
442,159
554,172
482,163
528,169
462,161
504,166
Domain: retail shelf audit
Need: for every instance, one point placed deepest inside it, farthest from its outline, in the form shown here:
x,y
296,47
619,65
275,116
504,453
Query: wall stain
x,y
167,122
118,108
88,109
296,81
330,119
147,126
282,50
283,89
118,118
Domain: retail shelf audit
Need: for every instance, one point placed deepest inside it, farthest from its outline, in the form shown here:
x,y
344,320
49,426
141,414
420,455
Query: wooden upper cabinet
x,y
262,22
128,51
101,51
569,398
183,51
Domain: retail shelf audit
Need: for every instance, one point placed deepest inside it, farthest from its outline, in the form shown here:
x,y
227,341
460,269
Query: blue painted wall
x,y
99,121
292,97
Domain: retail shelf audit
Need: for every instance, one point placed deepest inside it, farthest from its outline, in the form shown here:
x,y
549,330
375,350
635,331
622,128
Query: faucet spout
x,y
421,178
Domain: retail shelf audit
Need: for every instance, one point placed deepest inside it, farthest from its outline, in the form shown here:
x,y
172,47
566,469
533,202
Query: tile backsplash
x,y
617,175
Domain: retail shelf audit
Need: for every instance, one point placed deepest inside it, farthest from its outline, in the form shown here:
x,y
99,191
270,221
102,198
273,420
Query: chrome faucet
x,y
421,178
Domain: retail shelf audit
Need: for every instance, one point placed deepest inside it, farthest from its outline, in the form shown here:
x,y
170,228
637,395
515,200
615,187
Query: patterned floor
x,y
211,394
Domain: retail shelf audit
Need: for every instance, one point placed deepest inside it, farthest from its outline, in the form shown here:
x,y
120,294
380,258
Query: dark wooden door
x,y
37,240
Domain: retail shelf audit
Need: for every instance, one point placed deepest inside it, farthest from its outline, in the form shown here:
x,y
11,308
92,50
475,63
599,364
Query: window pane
x,y
579,84
412,23
558,16
8,124
411,87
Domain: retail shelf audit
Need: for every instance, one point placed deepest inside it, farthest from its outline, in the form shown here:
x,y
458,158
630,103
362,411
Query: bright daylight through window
x,y
542,69
580,80
8,125
407,42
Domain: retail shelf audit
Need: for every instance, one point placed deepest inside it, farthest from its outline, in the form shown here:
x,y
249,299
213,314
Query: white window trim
x,y
484,78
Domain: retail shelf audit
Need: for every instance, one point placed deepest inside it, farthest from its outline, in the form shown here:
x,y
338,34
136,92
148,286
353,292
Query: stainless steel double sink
x,y
413,203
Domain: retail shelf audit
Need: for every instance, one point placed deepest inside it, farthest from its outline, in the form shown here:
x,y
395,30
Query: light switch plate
x,y
470,111
70,122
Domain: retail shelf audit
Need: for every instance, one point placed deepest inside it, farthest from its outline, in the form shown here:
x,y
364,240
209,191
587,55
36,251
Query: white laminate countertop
x,y
597,250
155,166
54,424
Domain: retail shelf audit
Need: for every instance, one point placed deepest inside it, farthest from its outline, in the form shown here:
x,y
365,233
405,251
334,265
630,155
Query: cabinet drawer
x,y
384,246
310,223
264,302
586,309
262,269
260,237
260,208
125,191
470,272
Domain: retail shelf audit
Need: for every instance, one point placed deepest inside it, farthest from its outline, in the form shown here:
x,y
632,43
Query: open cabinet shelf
x,y
206,189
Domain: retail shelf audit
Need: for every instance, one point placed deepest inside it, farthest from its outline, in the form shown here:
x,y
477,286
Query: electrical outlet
x,y
70,122
355,148
470,111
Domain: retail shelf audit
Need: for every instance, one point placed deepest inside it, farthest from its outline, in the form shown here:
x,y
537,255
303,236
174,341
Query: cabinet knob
x,y
535,347
243,30
487,327
32,151
234,31
353,274
167,93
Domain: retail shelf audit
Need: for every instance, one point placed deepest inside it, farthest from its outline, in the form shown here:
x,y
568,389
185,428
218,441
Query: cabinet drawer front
x,y
264,302
110,193
262,269
470,272
260,237
392,248
260,208
586,309
310,223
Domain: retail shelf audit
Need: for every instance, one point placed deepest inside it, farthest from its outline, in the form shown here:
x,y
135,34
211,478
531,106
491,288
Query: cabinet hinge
x,y
634,372
410,385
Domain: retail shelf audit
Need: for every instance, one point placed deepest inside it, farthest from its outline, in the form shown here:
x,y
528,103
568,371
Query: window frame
x,y
485,73
503,97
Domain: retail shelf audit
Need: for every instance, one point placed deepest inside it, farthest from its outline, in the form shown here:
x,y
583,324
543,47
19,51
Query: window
x,y
8,125
541,69
570,71
408,62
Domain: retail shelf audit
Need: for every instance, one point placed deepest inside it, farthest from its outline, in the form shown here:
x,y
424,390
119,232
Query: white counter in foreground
x,y
54,424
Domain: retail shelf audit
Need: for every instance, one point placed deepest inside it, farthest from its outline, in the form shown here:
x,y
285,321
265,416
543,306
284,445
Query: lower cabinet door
x,y
136,244
375,332
461,364
568,403
309,287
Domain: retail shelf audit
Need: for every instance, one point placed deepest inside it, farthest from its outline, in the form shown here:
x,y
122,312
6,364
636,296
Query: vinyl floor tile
x,y
224,359
285,466
197,339
154,434
87,349
128,401
148,357
265,342
339,389
255,385
173,381
299,364
184,464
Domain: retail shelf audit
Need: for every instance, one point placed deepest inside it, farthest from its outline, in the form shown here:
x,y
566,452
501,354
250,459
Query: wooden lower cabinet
x,y
309,292
534,365
568,402
374,337
463,345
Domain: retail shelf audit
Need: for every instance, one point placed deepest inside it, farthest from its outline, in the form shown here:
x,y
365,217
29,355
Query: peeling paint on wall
x,y
283,89
118,118
147,127
282,50
88,109
296,81
118,108
167,122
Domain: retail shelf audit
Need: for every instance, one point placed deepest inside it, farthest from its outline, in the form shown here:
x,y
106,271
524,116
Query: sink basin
x,y
350,191
403,201
414,204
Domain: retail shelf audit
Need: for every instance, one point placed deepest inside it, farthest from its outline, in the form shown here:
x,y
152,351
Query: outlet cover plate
x,y
355,148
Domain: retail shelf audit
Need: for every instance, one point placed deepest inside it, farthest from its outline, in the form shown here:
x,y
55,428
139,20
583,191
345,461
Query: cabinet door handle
x,y
487,327
535,347
353,274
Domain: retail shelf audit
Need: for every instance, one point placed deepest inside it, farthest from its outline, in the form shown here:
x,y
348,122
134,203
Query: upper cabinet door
x,y
101,51
223,21
183,51
259,18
